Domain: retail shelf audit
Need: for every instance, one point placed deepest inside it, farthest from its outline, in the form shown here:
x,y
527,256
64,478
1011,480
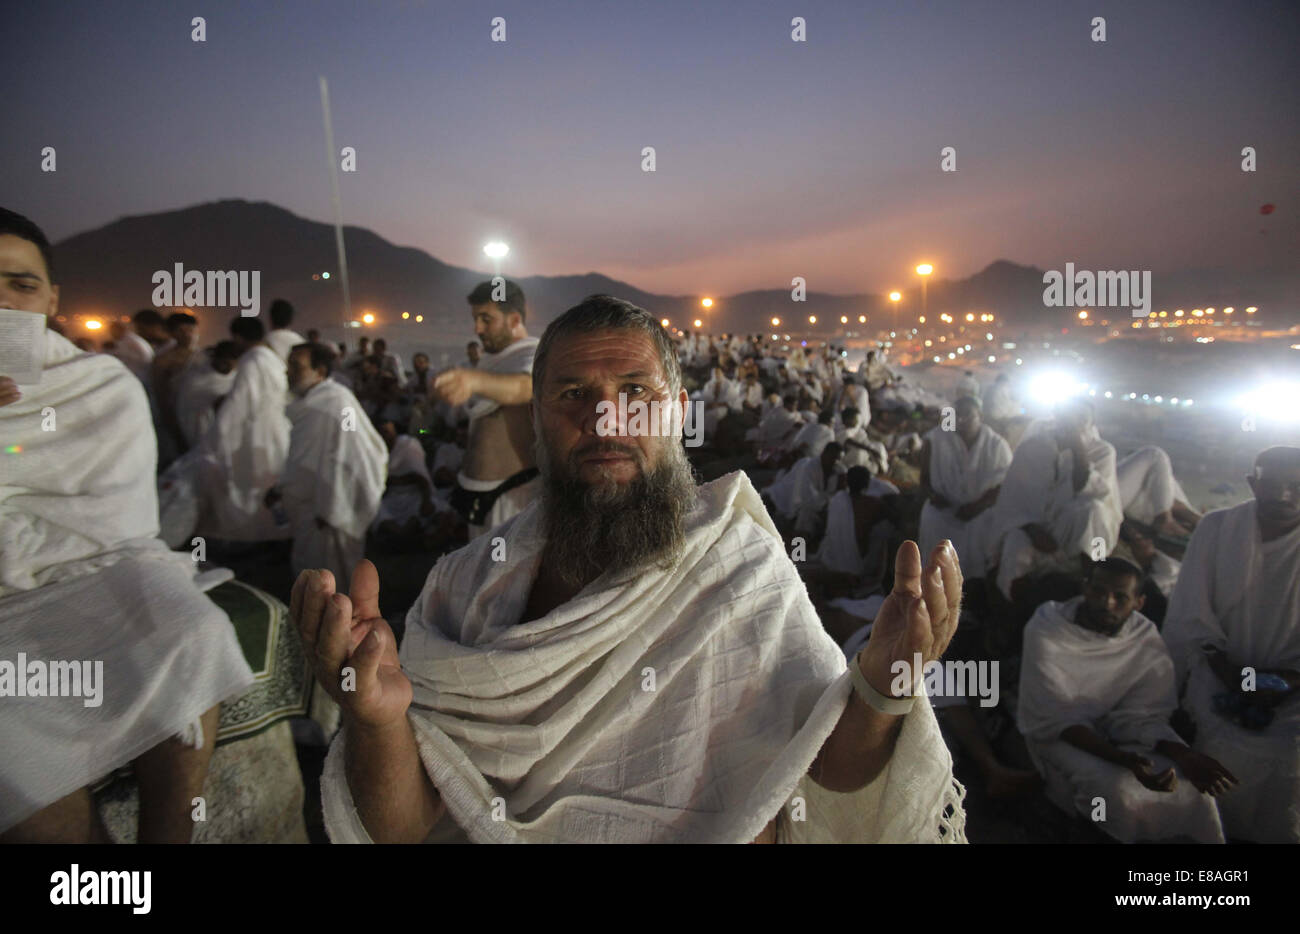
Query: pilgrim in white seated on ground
x,y
1096,696
631,658
1233,628
83,576
1059,502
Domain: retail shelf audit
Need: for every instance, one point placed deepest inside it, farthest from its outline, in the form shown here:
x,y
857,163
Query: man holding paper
x,y
84,576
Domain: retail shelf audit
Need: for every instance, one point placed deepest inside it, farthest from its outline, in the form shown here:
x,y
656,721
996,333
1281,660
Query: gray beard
x,y
591,530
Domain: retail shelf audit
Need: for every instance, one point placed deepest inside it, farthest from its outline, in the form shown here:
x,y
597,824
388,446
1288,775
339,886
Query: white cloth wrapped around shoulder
x,y
680,705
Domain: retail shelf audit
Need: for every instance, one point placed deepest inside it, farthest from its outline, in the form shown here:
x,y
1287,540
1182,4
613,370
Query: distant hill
x,y
108,271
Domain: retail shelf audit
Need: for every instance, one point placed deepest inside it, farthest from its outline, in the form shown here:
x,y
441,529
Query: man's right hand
x,y
339,633
1144,770
8,391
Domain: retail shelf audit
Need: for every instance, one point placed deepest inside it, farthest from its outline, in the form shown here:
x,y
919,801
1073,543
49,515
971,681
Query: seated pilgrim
x,y
1233,628
631,658
1096,695
109,653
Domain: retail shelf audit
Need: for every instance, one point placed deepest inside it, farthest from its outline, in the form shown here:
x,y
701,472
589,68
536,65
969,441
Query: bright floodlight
x,y
924,269
664,322
368,318
496,249
1271,401
698,322
1053,386
405,315
707,302
324,275
895,296
93,324
776,322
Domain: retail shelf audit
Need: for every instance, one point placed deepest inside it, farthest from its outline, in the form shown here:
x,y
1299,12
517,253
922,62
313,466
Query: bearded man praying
x,y
632,658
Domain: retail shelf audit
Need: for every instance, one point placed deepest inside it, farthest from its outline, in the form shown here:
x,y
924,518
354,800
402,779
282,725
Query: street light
x,y
924,270
497,251
707,302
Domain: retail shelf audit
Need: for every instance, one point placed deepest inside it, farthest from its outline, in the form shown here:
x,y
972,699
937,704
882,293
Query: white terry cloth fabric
x,y
962,475
1147,486
283,340
245,450
876,459
197,392
136,352
814,436
1039,487
802,492
403,502
516,358
839,549
549,715
82,577
335,471
1241,594
1122,687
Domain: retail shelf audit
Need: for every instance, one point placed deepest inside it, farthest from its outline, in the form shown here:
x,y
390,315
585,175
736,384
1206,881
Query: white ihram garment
x,y
1122,687
83,577
962,475
335,471
1241,595
553,723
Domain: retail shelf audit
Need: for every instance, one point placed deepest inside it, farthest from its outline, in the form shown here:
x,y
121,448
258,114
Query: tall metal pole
x,y
331,156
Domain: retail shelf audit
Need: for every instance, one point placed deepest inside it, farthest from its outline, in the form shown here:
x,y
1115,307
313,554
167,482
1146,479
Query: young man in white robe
x,y
1152,495
858,529
963,465
201,387
1233,628
499,475
855,396
800,495
637,663
282,338
93,607
218,489
1059,501
1096,694
333,478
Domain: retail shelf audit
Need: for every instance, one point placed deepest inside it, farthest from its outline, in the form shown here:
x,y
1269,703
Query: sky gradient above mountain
x,y
774,158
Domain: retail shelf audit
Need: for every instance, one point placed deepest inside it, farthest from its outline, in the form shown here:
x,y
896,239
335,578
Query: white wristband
x,y
894,706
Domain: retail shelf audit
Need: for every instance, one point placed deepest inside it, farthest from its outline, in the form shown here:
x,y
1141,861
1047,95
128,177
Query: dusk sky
x,y
774,158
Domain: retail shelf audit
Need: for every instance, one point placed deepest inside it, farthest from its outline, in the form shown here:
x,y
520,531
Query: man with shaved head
x,y
1233,629
631,658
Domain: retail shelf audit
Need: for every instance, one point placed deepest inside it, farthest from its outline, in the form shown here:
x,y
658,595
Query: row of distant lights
x,y
1153,322
1145,397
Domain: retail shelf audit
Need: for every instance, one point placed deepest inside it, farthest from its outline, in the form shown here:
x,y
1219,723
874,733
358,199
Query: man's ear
x,y
1140,602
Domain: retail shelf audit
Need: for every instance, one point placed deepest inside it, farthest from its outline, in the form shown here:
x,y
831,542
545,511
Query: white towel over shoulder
x,y
681,705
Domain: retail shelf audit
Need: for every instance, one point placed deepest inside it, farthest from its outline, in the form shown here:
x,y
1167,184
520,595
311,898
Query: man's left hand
x,y
919,617
455,386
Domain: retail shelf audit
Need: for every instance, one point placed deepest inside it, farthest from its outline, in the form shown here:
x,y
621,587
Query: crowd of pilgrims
x,y
1071,555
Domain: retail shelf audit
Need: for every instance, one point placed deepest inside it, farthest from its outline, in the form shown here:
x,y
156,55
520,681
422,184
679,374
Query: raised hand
x,y
339,633
920,616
